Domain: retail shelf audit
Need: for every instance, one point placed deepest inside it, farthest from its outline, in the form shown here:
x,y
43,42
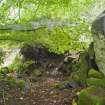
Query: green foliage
x,y
62,9
58,39
10,77
13,82
4,71
19,66
19,14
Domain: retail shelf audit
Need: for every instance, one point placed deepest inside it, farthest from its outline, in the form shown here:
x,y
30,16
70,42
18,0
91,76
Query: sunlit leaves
x,y
57,39
33,9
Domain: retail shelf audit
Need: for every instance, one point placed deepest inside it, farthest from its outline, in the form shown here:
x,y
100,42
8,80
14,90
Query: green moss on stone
x,y
21,83
11,81
92,96
96,82
59,85
94,73
80,72
37,73
74,77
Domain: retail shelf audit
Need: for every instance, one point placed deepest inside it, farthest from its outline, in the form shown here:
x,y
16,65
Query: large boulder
x,y
98,30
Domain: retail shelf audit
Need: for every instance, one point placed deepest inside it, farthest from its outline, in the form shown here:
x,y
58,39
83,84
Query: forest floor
x,y
43,89
40,92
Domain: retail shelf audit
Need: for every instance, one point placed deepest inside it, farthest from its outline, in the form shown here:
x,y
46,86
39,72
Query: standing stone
x,y
98,30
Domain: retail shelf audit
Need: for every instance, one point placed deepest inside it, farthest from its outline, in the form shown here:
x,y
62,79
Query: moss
x,y
37,72
59,85
74,102
94,73
74,77
20,66
92,96
21,83
17,65
11,81
80,72
96,82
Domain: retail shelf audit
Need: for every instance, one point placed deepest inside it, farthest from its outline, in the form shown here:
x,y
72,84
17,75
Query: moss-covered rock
x,y
74,77
95,74
96,82
12,82
37,72
59,85
21,83
99,46
98,30
80,72
92,96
